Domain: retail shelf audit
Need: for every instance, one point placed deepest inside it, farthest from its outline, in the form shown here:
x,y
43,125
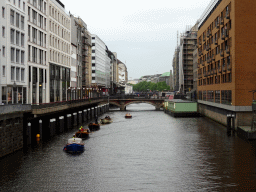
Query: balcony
x,y
214,71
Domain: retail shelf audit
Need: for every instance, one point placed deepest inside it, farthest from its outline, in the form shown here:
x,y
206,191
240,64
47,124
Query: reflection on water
x,y
150,152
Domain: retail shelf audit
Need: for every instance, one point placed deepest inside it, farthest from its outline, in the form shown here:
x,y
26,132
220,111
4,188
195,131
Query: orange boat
x,y
94,126
128,115
83,133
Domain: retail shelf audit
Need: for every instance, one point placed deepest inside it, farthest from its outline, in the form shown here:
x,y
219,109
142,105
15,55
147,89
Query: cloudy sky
x,y
142,32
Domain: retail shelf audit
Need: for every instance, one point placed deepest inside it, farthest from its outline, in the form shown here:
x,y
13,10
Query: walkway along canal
x,y
150,152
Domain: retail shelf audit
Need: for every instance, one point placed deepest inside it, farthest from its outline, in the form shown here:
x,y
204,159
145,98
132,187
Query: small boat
x,y
128,115
94,126
74,145
84,133
107,120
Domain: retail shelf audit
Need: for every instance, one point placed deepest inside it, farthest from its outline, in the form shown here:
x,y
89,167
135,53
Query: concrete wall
x,y
220,115
11,133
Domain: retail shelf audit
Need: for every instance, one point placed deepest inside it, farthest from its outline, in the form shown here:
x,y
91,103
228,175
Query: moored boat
x,y
106,120
94,126
128,115
83,133
74,145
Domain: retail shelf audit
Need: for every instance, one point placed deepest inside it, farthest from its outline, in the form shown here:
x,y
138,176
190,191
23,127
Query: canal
x,y
150,152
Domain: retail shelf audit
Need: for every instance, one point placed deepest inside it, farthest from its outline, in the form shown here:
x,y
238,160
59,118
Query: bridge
x,y
123,101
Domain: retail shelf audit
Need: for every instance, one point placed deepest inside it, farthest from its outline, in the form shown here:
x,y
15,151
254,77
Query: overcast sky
x,y
142,32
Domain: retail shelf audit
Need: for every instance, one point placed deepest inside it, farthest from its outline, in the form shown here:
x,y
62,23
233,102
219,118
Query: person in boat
x,y
88,130
82,129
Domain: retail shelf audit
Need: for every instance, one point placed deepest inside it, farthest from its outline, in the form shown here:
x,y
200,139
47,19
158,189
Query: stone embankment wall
x,y
11,133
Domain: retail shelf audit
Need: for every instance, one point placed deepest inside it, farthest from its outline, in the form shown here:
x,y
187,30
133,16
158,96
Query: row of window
x,y
38,19
38,37
17,37
13,95
17,56
217,79
59,17
39,4
223,96
59,44
57,57
18,21
58,30
36,55
17,74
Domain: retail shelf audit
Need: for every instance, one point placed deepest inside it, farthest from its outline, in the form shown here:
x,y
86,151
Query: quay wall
x,y
18,130
220,115
11,132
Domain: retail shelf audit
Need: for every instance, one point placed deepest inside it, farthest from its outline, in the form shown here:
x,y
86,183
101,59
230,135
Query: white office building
x,y
59,51
13,60
38,86
100,63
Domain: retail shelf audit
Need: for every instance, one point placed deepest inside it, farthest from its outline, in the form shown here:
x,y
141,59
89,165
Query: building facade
x,y
187,42
59,34
100,64
37,45
13,60
226,64
175,66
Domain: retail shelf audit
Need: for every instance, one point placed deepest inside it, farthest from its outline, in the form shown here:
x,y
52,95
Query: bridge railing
x,y
59,103
137,97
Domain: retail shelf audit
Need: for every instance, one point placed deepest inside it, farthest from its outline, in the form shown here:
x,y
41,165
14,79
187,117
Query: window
x,y
22,22
34,15
22,57
18,74
34,35
34,2
3,70
24,6
12,54
17,56
3,51
3,12
29,48
217,96
12,36
14,2
29,13
22,74
17,38
12,73
3,31
17,20
22,39
226,97
19,3
12,17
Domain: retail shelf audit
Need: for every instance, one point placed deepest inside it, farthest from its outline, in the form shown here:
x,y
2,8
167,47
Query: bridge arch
x,y
133,102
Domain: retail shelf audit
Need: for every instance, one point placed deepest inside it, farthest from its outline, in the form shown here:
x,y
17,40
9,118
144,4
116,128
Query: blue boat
x,y
74,145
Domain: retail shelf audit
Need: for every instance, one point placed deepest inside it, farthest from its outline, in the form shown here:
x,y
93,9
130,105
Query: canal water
x,y
150,152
